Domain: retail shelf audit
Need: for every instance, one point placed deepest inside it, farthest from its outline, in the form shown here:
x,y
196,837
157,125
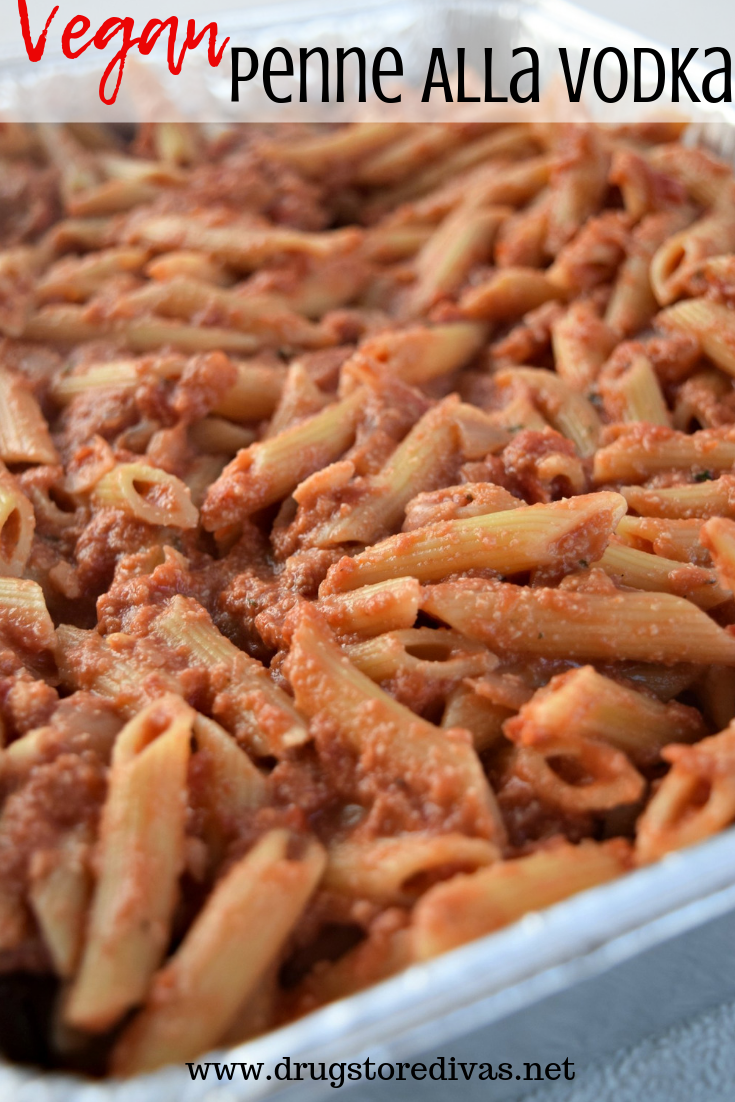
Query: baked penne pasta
x,y
367,553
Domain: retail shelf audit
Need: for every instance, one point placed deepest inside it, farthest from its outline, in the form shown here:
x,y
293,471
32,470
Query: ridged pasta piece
x,y
631,392
24,434
555,536
556,623
705,498
681,253
248,702
434,655
147,493
239,244
629,566
393,871
392,605
17,525
583,703
718,536
695,799
141,857
234,939
420,462
438,768
465,238
508,293
271,469
646,450
565,408
582,342
467,907
552,769
421,353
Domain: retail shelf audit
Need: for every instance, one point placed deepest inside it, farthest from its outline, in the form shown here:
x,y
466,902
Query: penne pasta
x,y
492,898
198,993
507,542
554,622
141,858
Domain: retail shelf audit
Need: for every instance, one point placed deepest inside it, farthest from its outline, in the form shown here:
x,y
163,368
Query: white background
x,y
681,23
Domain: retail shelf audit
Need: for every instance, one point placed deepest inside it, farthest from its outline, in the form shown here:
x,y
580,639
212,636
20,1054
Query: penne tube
x,y
59,895
553,623
77,168
500,184
508,293
77,279
240,245
393,871
190,264
270,470
581,343
141,857
218,436
521,238
112,197
71,324
402,157
17,525
467,907
501,145
465,238
631,392
700,400
187,299
707,179
509,542
481,717
420,462
387,244
338,150
392,605
435,656
681,254
712,323
237,935
567,410
584,704
117,374
419,354
645,450
674,539
248,702
25,624
706,497
718,536
633,303
129,672
695,800
234,784
148,494
553,768
470,499
628,566
438,768
579,180
255,394
24,434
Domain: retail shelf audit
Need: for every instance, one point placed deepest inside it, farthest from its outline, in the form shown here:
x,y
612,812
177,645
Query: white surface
x,y
672,22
